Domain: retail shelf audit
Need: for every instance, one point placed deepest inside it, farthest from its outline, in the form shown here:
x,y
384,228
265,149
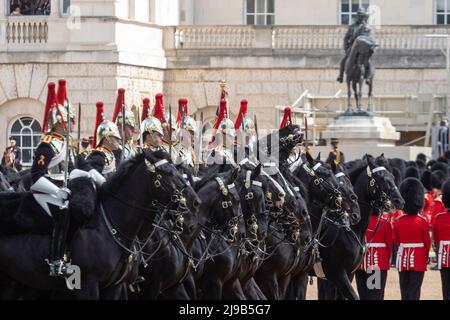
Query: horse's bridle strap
x,y
160,163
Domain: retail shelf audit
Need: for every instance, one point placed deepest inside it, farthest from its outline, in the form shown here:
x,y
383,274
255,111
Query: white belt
x,y
412,245
402,246
376,245
442,244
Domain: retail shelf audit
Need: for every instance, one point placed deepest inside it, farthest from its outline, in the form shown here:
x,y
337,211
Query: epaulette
x,y
400,216
47,138
440,214
103,149
424,218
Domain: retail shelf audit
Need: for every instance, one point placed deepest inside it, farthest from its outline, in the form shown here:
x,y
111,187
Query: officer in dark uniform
x,y
48,169
335,154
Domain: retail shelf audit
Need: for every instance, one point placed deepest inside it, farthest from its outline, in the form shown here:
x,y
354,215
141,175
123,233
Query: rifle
x,y
170,130
257,137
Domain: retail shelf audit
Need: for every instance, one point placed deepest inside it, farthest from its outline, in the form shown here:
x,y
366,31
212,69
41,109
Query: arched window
x,y
27,132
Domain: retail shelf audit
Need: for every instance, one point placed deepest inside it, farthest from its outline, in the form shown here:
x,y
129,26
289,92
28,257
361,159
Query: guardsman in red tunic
x,y
425,178
441,235
377,257
411,234
438,177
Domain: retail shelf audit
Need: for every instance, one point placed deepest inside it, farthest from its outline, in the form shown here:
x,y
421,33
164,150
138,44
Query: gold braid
x,y
338,157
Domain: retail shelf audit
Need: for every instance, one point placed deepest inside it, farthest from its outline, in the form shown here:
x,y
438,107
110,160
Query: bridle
x,y
334,195
379,200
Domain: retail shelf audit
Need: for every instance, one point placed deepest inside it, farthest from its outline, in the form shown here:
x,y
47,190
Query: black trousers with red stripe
x,y
445,280
366,293
410,284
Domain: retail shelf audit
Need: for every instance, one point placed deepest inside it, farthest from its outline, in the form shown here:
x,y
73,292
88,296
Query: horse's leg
x,y
212,288
269,286
301,285
253,292
176,293
360,91
349,96
189,286
112,293
343,284
233,290
355,91
370,106
89,290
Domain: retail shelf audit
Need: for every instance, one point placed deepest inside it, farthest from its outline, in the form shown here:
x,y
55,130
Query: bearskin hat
x,y
421,156
447,154
437,179
426,179
440,166
411,189
397,176
411,164
442,159
446,194
421,164
430,163
412,172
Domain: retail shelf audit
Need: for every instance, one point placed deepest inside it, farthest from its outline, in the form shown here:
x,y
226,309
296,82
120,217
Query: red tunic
x,y
429,197
437,207
441,235
411,234
379,249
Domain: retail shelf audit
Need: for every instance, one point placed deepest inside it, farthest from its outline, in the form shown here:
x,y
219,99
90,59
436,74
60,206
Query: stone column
x,y
4,8
54,8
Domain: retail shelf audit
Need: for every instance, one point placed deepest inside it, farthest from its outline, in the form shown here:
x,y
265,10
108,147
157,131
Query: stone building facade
x,y
183,48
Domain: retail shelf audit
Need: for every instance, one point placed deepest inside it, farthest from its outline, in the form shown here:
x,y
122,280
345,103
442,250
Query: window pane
x,y
250,19
26,155
26,141
345,6
440,19
355,5
270,6
260,19
440,5
66,4
344,19
16,127
448,19
353,18
26,121
448,6
250,6
260,6
36,126
36,140
270,19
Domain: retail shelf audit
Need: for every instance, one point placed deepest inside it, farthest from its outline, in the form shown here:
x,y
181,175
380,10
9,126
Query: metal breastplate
x,y
110,164
128,151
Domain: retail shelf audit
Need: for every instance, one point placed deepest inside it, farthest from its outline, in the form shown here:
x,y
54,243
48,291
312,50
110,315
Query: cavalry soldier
x,y
106,140
168,137
360,27
245,133
151,130
223,150
129,128
11,156
411,234
48,169
379,240
335,154
188,130
441,235
85,148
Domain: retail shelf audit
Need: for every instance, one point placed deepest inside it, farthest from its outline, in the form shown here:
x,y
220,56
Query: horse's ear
x,y
309,158
256,172
318,157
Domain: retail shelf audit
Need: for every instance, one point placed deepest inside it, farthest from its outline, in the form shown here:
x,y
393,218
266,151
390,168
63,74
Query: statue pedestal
x,y
362,129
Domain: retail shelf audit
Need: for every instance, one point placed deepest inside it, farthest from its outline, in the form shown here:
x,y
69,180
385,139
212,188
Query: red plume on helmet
x,y
145,109
287,118
182,109
242,114
158,110
222,113
61,98
120,102
49,104
99,119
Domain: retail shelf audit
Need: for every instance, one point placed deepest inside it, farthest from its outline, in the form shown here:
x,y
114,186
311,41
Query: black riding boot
x,y
58,266
341,70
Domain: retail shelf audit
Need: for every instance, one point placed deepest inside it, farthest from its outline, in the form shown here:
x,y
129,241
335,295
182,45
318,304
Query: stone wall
x,y
23,89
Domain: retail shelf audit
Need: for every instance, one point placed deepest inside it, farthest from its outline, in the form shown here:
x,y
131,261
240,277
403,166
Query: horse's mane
x,y
210,176
126,167
355,168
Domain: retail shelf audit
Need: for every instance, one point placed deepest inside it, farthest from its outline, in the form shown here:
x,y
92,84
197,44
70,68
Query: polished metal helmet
x,y
61,116
107,129
151,124
129,119
189,124
226,127
248,125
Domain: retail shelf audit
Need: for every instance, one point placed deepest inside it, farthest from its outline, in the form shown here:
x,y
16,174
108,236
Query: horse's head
x,y
171,189
251,191
220,203
349,198
364,47
321,182
382,190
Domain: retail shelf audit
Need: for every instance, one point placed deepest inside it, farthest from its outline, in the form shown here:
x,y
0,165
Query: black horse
x,y
103,246
376,190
